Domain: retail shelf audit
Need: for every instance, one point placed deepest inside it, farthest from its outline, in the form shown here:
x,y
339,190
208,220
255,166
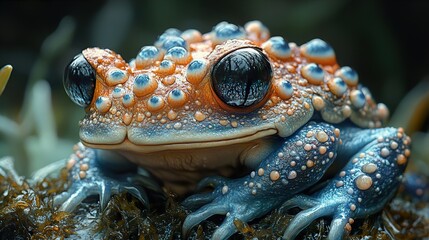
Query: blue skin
x,y
332,200
258,193
345,202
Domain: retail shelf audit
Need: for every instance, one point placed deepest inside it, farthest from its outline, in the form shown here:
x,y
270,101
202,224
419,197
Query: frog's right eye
x,y
79,81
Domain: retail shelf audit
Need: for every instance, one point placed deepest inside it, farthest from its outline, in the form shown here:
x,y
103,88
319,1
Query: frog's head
x,y
190,90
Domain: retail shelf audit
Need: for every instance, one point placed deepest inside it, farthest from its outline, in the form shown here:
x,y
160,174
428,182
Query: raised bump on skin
x,y
313,73
118,92
128,100
284,89
196,71
116,76
256,31
103,104
363,182
318,103
369,168
337,86
171,32
199,116
147,56
382,111
173,41
349,75
225,31
176,98
178,55
357,98
192,36
155,103
166,67
318,51
144,84
277,47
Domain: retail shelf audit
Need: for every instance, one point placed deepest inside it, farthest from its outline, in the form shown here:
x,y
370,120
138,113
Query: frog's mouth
x,y
146,141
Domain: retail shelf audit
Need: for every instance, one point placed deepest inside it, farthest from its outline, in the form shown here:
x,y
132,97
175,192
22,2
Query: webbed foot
x,y
230,198
363,187
97,172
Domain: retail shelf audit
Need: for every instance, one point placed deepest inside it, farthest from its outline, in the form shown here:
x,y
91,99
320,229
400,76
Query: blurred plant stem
x,y
4,76
35,151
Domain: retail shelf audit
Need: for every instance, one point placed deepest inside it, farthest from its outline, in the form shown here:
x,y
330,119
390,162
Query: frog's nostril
x,y
79,81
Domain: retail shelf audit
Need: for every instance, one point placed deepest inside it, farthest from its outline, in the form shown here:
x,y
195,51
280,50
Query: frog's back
x,y
168,95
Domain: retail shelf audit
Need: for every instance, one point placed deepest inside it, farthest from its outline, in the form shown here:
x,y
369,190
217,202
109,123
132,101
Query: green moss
x,y
27,212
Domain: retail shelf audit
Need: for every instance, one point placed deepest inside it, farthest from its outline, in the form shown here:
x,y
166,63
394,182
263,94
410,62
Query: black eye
x,y
242,78
79,81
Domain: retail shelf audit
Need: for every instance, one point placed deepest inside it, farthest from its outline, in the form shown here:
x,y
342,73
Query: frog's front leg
x,y
376,161
103,173
299,163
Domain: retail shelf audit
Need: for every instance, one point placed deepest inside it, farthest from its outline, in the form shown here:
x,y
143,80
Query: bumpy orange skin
x,y
137,123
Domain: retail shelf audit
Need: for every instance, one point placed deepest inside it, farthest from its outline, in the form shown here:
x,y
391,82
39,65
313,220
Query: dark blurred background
x,y
385,41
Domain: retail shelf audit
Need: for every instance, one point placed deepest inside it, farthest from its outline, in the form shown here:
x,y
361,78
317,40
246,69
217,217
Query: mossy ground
x,y
26,212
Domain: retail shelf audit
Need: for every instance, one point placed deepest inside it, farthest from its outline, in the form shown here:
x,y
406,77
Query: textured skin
x,y
160,112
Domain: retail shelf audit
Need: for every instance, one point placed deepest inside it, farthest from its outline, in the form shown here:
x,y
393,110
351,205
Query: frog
x,y
237,122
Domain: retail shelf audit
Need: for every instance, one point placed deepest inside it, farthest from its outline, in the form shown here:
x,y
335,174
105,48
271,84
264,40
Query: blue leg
x,y
103,173
299,163
377,160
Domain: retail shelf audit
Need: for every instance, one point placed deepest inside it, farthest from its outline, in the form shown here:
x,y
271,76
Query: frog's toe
x,y
202,214
197,200
89,178
212,181
315,209
231,199
231,211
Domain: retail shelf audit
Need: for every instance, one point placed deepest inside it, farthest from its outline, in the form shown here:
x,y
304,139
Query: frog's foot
x,y
89,177
363,187
297,164
230,198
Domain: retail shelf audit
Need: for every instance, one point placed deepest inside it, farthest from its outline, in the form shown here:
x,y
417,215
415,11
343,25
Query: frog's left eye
x,y
242,78
79,81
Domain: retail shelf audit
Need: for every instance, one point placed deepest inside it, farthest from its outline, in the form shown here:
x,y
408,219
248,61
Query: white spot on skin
x,y
292,175
177,125
384,152
224,189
